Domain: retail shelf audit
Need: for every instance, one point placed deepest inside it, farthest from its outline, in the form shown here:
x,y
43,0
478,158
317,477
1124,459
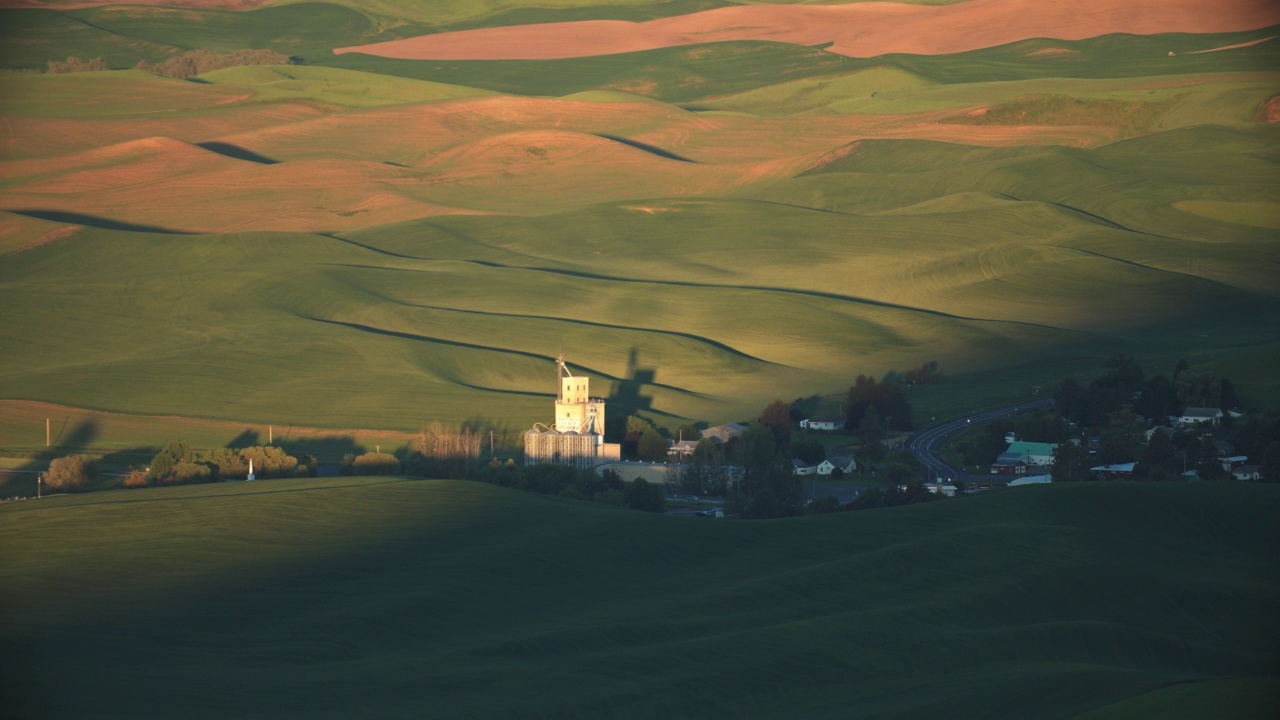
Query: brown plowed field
x,y
858,30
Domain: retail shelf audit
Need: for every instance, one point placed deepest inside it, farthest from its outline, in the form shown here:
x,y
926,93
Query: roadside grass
x,y
461,598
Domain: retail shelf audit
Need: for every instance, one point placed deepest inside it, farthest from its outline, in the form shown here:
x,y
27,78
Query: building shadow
x,y
628,397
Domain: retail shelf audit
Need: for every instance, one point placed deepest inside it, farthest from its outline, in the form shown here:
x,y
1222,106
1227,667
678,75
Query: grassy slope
x,y
902,252
971,256
367,597
334,85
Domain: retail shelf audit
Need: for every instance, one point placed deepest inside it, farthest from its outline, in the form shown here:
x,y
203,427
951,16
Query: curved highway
x,y
924,444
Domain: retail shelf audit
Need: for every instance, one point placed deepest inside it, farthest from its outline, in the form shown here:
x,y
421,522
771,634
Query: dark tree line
x,y
889,401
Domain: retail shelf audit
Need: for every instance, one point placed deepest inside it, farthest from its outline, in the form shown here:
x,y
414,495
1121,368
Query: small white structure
x,y
823,423
1115,469
800,467
1031,480
250,475
1193,416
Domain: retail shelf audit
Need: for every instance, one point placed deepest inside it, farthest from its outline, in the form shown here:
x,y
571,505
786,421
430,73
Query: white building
x,y
1193,416
577,437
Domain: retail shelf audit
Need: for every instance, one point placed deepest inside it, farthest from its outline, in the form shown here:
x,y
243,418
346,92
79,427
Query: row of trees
x,y
179,463
887,400
186,65
1119,407
199,62
74,64
575,483
1153,398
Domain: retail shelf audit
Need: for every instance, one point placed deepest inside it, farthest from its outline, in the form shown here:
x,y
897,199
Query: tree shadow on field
x,y
248,438
237,153
651,149
77,438
328,449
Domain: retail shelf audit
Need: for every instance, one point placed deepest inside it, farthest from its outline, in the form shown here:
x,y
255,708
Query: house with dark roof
x,y
1193,416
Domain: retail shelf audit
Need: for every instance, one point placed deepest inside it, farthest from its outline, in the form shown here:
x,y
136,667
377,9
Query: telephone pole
x,y
46,432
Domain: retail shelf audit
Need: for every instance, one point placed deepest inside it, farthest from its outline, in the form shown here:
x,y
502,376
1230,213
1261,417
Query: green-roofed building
x,y
1037,453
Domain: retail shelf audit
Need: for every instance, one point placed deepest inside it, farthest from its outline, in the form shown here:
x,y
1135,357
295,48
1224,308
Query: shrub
x,y
74,472
375,463
172,454
137,479
269,461
74,64
185,473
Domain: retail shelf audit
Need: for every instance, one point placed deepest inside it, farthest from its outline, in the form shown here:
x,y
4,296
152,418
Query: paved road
x,y
924,444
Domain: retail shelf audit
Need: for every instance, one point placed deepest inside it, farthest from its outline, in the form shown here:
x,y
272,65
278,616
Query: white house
x,y
800,467
683,448
823,423
1200,416
844,462
1247,472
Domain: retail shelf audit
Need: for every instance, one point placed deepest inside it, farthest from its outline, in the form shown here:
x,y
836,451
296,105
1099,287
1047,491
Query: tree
x,y
1270,469
759,450
869,428
809,450
74,472
270,461
825,504
704,453
870,453
1070,463
862,395
763,506
375,463
171,454
641,495
652,446
778,419
1159,460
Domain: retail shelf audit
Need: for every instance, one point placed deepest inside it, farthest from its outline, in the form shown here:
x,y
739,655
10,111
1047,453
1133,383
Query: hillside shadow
x,y
95,221
651,149
77,438
236,152
248,438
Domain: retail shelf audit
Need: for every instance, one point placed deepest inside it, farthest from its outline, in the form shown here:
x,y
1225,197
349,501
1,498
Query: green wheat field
x,y
344,248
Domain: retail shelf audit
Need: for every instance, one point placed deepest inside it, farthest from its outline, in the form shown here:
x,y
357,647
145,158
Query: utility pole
x,y
271,435
39,485
46,432
490,444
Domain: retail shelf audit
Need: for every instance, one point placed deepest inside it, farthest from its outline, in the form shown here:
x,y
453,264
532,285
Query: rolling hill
x,y
329,598
702,228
